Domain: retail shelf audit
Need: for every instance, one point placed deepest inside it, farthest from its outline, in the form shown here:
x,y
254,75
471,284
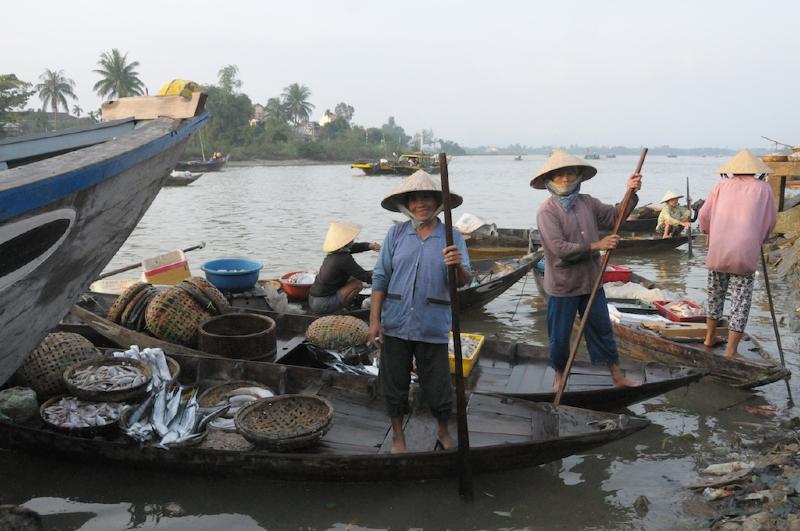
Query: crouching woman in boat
x,y
673,217
340,278
738,216
568,222
410,308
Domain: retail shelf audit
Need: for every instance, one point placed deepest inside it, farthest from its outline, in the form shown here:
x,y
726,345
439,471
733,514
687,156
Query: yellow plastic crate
x,y
468,359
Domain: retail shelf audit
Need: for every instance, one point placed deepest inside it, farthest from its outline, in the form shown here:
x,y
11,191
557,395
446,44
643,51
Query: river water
x,y
279,215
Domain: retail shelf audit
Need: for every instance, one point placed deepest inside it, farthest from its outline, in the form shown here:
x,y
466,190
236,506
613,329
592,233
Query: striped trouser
x,y
741,297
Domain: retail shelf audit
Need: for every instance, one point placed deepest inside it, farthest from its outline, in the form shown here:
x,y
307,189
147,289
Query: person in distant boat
x,y
340,278
738,216
410,314
568,223
673,217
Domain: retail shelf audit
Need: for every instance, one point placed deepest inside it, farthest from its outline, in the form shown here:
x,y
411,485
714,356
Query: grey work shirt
x,y
570,268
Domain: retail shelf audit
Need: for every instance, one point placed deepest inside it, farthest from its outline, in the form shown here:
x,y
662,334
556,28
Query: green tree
x,y
76,110
229,80
343,110
14,94
395,136
119,78
54,89
276,111
295,99
230,112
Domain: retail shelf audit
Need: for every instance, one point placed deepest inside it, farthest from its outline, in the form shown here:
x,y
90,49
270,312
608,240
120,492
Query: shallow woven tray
x,y
337,332
285,422
43,370
212,395
127,296
130,394
90,431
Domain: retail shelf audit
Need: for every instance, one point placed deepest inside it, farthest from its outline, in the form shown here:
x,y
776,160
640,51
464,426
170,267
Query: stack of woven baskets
x,y
172,314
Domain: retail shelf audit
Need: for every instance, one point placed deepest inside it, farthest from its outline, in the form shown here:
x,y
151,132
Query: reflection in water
x,y
279,216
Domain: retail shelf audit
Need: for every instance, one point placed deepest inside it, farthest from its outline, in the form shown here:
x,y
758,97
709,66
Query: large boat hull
x,y
63,219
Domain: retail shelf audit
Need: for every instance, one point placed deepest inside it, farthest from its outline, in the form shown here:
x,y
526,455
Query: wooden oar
x,y
621,215
689,206
464,465
775,323
137,264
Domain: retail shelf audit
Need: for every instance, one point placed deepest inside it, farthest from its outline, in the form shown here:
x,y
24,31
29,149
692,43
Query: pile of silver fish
x,y
168,418
153,358
469,345
232,401
72,413
107,377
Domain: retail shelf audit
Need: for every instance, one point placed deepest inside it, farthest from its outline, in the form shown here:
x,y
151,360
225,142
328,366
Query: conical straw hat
x,y
744,163
419,181
670,195
561,159
340,233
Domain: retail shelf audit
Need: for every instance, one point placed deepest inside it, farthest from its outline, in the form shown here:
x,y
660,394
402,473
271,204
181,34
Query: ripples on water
x,y
279,215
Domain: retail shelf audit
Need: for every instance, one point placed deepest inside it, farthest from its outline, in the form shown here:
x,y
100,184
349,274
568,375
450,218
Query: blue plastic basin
x,y
232,274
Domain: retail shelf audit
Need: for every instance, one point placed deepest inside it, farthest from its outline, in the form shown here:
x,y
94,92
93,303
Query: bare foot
x,y
619,379
398,445
732,354
557,381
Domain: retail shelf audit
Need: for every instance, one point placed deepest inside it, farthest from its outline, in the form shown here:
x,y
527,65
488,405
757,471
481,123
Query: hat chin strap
x,y
414,221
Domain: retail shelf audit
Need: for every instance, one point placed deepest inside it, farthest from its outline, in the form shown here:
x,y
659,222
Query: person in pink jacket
x,y
738,216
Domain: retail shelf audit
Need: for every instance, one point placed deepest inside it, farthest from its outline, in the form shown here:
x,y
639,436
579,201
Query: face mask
x,y
562,189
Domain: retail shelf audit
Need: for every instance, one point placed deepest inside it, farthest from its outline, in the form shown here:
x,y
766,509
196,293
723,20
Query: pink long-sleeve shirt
x,y
738,216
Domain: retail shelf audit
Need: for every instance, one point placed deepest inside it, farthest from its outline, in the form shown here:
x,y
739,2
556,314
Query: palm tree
x,y
76,110
119,79
276,110
295,99
53,91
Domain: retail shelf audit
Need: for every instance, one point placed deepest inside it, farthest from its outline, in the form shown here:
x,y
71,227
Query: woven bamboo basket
x,y
217,298
285,422
173,315
128,394
337,332
43,370
126,297
89,431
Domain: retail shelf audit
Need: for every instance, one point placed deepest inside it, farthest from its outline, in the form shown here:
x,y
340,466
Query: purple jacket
x,y
570,269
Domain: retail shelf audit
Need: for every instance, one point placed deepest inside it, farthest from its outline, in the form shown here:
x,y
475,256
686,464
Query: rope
x,y
522,291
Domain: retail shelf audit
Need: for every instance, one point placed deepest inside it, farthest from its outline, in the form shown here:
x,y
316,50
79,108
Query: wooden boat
x,y
406,164
513,369
504,434
629,244
505,243
63,217
492,278
212,164
592,156
182,178
754,368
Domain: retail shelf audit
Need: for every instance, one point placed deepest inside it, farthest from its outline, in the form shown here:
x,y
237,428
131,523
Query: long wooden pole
x,y
689,228
137,264
464,465
775,322
621,215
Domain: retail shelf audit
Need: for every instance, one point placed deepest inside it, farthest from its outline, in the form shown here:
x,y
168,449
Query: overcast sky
x,y
683,73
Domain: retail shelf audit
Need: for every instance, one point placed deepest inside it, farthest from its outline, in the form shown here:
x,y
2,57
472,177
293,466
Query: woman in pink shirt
x,y
738,216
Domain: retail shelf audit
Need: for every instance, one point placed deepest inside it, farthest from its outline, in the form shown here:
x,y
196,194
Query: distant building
x,y
310,130
327,118
258,114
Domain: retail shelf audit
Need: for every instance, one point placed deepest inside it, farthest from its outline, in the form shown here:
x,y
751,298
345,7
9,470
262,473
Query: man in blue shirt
x,y
410,311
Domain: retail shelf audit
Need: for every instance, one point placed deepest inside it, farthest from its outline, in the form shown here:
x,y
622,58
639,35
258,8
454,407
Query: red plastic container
x,y
615,273
292,290
663,310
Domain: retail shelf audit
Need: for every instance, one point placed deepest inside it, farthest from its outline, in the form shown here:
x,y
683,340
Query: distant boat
x,y
69,201
672,156
215,163
406,164
611,156
592,156
518,157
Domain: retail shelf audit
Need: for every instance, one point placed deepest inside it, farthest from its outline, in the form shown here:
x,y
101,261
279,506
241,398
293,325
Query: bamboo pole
x,y
689,228
775,323
464,466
